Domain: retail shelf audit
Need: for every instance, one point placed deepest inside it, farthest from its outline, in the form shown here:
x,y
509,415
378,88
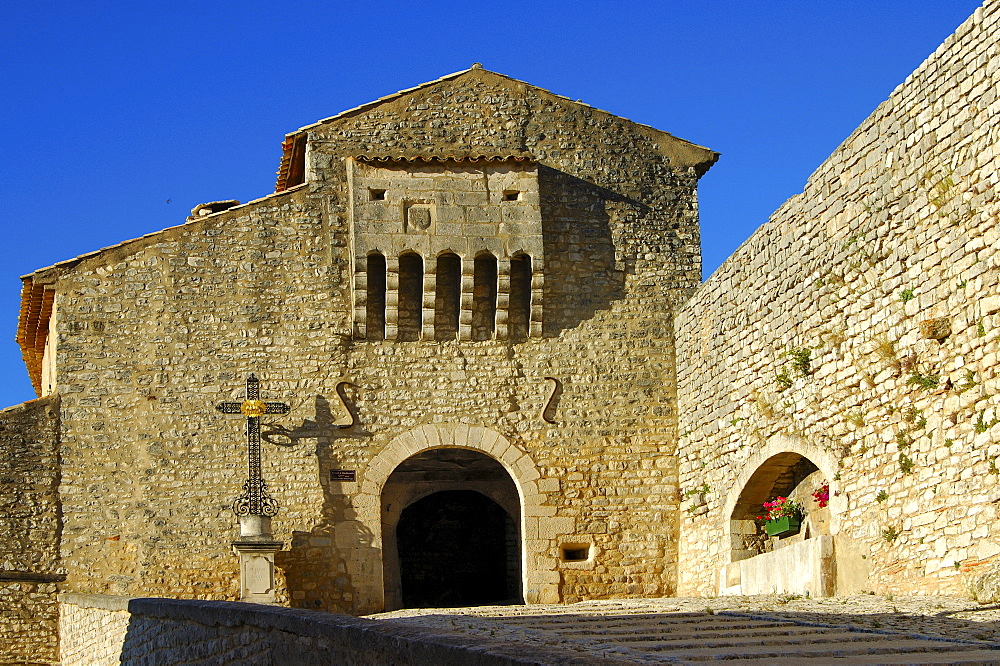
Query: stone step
x,y
620,636
760,639
702,632
964,657
703,622
847,649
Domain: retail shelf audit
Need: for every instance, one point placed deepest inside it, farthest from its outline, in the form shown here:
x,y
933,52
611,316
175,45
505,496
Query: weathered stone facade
x,y
858,329
578,411
472,286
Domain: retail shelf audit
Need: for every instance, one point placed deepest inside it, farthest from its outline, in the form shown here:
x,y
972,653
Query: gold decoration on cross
x,y
253,408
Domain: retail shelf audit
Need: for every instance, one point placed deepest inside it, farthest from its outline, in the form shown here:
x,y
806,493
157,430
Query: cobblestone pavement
x,y
769,629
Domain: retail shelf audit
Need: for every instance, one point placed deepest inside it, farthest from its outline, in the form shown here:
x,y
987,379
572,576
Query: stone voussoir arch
x,y
775,445
518,464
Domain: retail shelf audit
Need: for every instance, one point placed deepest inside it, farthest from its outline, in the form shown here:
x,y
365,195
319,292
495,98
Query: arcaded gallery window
x,y
447,296
375,313
411,294
519,316
484,297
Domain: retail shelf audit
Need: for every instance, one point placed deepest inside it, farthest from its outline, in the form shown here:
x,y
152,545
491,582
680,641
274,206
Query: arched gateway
x,y
451,501
450,533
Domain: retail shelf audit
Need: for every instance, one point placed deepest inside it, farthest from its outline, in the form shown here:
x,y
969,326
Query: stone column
x,y
429,296
361,298
256,548
391,298
468,281
537,293
503,298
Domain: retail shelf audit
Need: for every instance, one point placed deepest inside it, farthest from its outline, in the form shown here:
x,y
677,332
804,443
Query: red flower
x,y
782,507
822,496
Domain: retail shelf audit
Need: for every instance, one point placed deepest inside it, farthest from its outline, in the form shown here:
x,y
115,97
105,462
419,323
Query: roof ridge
x,y
188,221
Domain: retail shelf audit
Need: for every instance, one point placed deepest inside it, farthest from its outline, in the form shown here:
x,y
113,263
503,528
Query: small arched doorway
x,y
785,474
450,532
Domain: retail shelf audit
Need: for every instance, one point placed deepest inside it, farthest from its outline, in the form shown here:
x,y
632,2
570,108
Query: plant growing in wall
x,y
782,516
970,382
699,505
982,425
890,534
801,358
783,381
927,382
885,349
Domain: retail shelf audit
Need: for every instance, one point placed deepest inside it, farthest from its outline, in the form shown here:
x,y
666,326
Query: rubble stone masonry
x,y
154,333
29,530
861,325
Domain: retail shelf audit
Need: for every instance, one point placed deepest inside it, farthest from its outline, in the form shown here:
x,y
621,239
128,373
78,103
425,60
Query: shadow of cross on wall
x,y
317,567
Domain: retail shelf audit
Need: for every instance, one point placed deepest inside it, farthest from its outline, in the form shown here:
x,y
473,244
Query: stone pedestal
x,y
256,548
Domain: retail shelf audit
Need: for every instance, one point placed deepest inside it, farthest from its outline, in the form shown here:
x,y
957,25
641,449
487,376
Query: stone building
x,y
482,303
464,291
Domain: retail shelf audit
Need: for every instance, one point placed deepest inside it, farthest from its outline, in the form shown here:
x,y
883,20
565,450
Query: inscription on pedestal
x,y
259,575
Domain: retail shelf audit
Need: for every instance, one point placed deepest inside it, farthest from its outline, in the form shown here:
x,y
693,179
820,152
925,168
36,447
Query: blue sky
x,y
118,117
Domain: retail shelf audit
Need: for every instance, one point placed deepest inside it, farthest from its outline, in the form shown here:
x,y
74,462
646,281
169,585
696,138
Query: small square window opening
x,y
511,195
575,553
376,194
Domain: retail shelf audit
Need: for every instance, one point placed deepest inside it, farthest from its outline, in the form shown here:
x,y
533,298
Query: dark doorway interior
x,y
457,548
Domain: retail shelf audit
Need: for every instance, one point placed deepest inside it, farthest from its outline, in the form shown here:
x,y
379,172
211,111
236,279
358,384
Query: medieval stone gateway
x,y
486,354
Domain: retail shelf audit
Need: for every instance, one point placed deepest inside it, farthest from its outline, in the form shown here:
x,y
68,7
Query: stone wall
x,y
29,530
152,334
107,629
860,325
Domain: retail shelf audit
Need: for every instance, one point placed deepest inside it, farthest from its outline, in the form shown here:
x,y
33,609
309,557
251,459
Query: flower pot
x,y
782,527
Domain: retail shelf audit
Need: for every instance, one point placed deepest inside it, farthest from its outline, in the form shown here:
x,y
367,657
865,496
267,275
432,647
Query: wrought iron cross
x,y
254,500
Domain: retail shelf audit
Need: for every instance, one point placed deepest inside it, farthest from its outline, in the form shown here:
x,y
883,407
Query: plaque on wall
x,y
343,475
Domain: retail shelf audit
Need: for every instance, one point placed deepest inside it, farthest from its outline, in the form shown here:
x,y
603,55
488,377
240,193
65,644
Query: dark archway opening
x,y
457,548
451,533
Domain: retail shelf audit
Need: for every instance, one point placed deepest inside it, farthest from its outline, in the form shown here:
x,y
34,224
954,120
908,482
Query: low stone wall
x,y
806,567
98,629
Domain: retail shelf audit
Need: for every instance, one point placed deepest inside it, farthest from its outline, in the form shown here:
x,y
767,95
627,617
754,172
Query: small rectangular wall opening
x,y
575,552
375,194
511,195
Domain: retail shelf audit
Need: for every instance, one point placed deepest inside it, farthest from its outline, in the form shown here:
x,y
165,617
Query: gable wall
x,y
150,339
898,226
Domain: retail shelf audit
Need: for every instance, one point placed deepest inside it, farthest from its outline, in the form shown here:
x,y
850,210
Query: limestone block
x,y
553,527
